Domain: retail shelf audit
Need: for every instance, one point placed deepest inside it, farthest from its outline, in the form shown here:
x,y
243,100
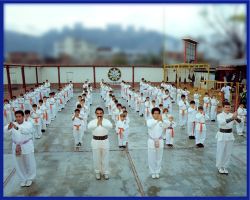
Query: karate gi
x,y
155,131
100,148
200,128
25,163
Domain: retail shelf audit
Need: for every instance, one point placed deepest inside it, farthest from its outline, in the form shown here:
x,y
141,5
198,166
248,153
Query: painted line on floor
x,y
6,181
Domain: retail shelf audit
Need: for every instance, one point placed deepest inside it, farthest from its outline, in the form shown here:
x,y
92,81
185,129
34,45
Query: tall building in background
x,y
80,50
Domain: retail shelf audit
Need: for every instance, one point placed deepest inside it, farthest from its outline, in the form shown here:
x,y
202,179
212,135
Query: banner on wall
x,y
114,75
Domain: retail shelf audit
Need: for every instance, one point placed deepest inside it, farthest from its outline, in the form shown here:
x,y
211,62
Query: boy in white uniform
x,y
200,127
242,113
147,109
36,116
170,124
78,131
122,131
197,98
206,105
214,105
191,120
183,106
7,112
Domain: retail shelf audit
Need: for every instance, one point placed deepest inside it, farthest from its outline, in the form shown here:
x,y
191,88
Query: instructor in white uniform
x,y
100,144
225,137
22,148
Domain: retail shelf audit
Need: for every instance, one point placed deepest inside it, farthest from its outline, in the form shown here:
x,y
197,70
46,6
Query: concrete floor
x,y
186,170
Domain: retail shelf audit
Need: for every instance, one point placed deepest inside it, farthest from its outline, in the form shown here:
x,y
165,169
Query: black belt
x,y
226,130
100,137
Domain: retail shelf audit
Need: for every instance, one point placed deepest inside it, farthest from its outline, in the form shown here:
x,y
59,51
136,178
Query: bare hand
x,y
99,121
10,126
160,118
235,114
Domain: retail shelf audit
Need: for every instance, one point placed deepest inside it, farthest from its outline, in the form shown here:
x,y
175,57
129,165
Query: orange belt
x,y
183,112
5,113
51,106
201,126
45,116
193,128
22,107
77,127
30,101
41,95
172,131
61,101
121,132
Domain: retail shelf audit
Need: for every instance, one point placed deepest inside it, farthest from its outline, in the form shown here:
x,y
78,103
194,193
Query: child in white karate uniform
x,y
36,116
191,120
78,130
214,105
170,124
122,131
206,105
200,128
242,113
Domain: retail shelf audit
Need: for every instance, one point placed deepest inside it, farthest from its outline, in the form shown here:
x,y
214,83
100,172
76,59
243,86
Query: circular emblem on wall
x,y
114,74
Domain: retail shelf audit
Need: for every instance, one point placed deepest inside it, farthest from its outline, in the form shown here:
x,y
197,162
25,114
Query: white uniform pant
x,y
169,138
223,154
100,150
200,136
240,126
25,165
206,110
78,134
213,112
197,103
182,119
38,132
141,109
154,160
122,140
191,128
147,114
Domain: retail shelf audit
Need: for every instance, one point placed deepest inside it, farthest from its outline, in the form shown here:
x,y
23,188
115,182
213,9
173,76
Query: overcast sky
x,y
180,20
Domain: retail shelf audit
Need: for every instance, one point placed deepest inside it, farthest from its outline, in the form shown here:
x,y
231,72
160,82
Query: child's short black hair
x,y
200,108
192,102
77,110
40,101
34,105
27,112
79,106
183,96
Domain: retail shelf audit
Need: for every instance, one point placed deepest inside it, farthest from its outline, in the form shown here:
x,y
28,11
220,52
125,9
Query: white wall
x,y
30,75
149,74
81,74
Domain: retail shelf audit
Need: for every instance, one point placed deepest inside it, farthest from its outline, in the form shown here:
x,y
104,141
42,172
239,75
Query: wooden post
x,y
23,78
9,81
133,76
59,80
94,77
195,55
185,51
164,73
36,77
